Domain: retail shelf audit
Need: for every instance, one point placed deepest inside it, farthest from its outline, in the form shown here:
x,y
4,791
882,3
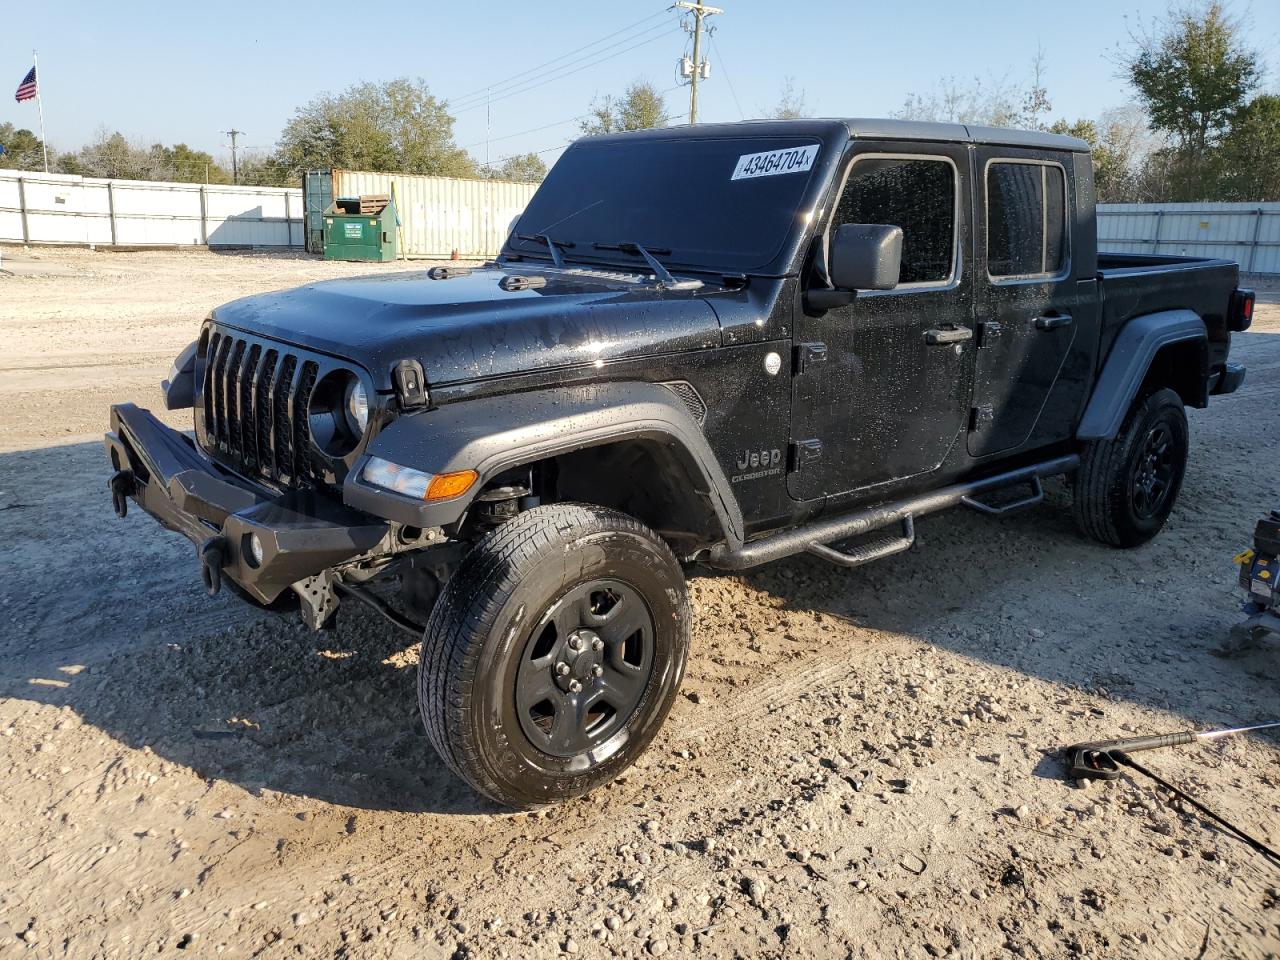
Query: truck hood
x,y
468,327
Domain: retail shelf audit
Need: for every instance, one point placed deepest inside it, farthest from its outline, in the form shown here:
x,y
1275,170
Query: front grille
x,y
255,398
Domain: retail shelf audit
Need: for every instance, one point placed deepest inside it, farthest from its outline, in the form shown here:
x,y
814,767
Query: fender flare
x,y
1127,364
179,388
493,434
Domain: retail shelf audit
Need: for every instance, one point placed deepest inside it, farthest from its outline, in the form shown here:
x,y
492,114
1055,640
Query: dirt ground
x,y
861,764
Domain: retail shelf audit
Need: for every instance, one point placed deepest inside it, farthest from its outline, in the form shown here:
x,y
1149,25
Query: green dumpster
x,y
360,228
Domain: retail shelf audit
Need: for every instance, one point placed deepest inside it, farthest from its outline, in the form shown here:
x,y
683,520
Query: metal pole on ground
x,y
1257,233
22,209
44,144
111,210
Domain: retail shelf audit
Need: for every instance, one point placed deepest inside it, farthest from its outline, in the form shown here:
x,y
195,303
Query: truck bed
x,y
1133,284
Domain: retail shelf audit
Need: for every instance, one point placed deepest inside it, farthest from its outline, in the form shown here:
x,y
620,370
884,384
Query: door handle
x,y
1056,322
942,336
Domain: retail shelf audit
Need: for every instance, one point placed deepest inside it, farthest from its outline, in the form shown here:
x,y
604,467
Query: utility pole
x,y
700,10
235,167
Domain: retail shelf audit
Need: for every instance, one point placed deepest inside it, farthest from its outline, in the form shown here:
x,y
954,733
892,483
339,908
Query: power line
x,y
719,56
560,146
504,86
535,153
560,73
508,136
556,123
505,81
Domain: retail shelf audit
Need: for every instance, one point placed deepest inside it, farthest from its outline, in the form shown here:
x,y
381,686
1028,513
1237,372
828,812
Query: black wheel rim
x,y
585,667
1153,473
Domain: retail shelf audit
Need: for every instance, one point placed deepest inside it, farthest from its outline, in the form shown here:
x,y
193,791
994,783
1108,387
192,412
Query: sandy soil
x,y
861,763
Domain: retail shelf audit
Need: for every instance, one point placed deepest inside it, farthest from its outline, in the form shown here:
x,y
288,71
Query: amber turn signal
x,y
444,486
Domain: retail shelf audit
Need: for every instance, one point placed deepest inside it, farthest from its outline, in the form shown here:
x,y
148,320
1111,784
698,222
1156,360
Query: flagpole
x,y
44,144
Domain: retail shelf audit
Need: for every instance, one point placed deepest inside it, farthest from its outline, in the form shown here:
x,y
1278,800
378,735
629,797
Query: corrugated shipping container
x,y
441,214
1248,233
58,208
317,194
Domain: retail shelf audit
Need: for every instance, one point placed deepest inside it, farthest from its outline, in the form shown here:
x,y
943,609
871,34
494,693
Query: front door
x,y
1027,322
882,387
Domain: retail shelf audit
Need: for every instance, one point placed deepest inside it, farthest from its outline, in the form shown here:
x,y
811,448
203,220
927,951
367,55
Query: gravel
x,y
862,764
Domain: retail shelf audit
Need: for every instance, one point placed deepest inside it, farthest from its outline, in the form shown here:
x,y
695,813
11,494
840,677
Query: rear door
x,y
1026,298
882,386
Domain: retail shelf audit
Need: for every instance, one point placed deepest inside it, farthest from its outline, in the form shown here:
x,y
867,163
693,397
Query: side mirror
x,y
865,256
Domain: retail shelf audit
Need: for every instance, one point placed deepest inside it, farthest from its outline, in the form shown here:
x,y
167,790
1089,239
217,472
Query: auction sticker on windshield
x,y
771,163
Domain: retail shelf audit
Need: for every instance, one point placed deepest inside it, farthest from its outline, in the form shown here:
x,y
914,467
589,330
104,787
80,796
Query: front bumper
x,y
302,533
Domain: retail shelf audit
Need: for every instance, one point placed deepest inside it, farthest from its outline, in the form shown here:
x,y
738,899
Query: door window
x,y
917,194
1026,219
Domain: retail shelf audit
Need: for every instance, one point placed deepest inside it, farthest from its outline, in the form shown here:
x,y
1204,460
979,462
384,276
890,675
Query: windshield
x,y
718,204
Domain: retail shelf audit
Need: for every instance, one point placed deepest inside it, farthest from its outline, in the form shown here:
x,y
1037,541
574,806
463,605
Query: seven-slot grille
x,y
256,396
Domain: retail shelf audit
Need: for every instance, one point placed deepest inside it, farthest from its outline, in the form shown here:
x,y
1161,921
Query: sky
x,y
166,72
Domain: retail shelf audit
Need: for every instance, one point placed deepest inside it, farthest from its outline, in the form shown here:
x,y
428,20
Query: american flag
x,y
27,88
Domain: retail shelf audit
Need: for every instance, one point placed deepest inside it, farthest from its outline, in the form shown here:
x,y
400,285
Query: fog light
x,y
253,550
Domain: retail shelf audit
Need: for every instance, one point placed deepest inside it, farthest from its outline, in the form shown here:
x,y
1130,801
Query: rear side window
x,y
1026,219
916,194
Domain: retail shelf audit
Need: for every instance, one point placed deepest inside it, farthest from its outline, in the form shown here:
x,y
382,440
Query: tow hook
x,y
212,554
122,487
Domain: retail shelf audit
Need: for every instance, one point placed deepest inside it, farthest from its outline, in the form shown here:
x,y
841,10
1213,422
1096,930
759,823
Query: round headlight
x,y
337,413
358,407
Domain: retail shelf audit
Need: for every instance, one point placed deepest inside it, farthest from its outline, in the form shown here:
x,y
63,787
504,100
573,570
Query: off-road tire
x,y
474,644
1104,505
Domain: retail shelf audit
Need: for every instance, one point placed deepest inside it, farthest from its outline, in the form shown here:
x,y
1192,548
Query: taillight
x,y
1241,310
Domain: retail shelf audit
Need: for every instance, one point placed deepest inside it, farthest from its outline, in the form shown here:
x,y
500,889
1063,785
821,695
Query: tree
x,y
791,103
640,108
110,155
1121,148
989,102
21,149
1035,105
189,166
397,126
524,167
1249,163
1107,168
259,169
1193,72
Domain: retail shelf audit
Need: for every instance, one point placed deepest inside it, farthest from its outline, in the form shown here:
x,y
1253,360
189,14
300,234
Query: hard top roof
x,y
870,129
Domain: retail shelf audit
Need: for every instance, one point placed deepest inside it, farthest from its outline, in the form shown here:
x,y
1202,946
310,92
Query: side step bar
x,y
815,537
876,550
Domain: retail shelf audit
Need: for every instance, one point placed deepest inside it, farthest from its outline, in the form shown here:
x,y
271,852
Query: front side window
x,y
916,194
1026,219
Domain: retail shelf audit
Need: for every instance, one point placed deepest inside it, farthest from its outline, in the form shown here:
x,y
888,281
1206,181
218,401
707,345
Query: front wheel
x,y
1127,486
554,653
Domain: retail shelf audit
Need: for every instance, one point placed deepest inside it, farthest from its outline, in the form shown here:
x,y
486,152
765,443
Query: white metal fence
x,y
439,215
57,208
1248,233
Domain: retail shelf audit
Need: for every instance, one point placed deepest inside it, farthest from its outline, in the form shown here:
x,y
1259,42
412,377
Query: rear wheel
x,y
554,653
1127,486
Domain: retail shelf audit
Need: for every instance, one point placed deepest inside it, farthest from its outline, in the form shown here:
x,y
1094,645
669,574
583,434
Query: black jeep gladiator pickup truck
x,y
724,344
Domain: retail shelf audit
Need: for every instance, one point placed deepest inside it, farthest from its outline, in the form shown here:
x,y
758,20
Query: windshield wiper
x,y
551,245
660,273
